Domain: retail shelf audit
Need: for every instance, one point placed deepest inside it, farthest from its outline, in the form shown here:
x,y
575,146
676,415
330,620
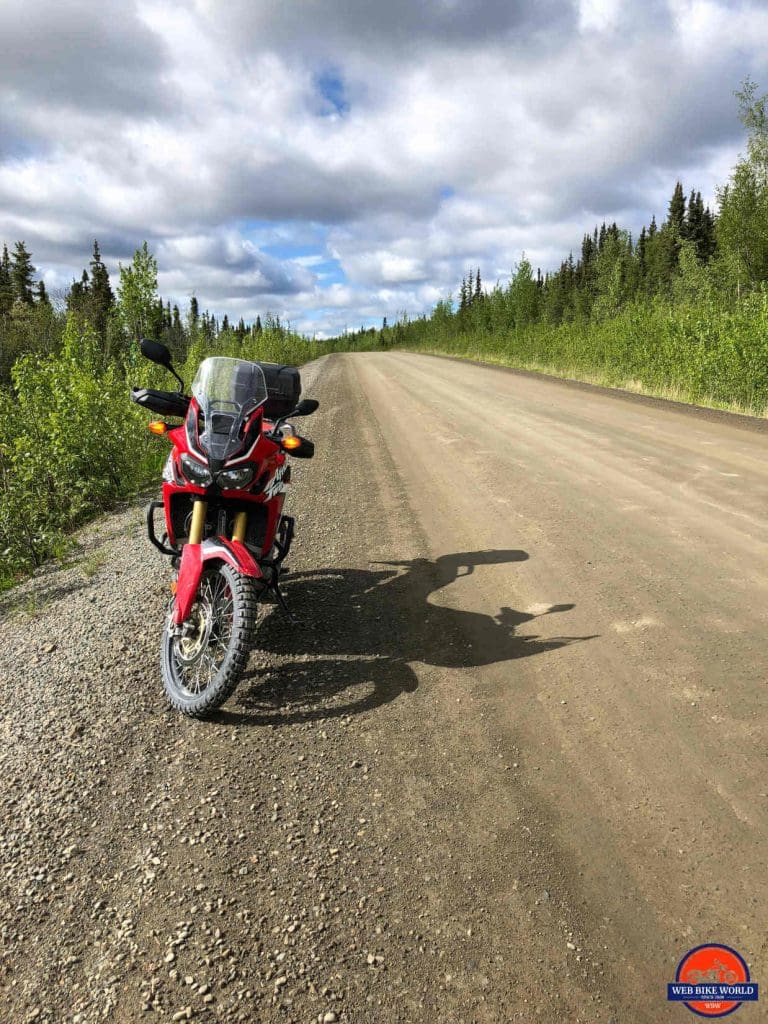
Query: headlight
x,y
195,472
235,479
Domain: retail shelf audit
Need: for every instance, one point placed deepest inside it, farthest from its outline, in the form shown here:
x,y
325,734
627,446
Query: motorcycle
x,y
224,486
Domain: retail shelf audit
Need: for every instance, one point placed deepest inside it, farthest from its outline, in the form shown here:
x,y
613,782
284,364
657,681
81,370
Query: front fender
x,y
194,557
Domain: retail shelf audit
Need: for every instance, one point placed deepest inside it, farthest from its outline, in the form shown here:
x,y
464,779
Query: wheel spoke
x,y
198,658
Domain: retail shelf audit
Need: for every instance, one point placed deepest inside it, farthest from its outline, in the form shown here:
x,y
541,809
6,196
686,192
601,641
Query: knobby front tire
x,y
202,668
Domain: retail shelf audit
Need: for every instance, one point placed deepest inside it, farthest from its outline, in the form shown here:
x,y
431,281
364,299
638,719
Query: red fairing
x,y
194,557
264,455
270,476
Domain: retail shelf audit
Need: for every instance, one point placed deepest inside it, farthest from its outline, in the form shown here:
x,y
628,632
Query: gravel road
x,y
511,767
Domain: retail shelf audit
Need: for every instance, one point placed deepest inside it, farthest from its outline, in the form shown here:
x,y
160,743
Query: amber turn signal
x,y
157,427
291,443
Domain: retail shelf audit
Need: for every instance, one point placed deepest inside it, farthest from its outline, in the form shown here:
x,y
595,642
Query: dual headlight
x,y
235,479
227,479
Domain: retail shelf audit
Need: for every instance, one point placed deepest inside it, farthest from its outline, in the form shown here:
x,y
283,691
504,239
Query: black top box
x,y
284,388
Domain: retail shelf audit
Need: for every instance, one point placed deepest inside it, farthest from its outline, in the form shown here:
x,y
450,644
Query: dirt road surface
x,y
511,768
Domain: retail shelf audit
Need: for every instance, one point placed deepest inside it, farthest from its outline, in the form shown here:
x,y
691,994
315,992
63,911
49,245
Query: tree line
x,y
31,323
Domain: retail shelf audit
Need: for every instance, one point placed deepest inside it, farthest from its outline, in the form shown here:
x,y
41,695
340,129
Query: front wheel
x,y
202,666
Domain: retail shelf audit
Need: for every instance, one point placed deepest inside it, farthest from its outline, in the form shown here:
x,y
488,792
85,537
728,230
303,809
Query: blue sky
x,y
339,161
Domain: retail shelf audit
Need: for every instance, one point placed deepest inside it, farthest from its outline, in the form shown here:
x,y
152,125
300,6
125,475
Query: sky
x,y
337,161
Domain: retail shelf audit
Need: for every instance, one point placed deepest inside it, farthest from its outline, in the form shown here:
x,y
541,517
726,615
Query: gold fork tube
x,y
199,509
240,526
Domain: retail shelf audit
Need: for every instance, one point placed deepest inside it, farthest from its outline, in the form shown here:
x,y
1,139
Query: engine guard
x,y
194,557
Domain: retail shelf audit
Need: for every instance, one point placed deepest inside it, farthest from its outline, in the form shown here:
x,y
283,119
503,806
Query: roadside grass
x,y
30,606
94,561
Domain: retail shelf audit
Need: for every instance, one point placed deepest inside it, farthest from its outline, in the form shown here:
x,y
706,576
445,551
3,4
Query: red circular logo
x,y
716,965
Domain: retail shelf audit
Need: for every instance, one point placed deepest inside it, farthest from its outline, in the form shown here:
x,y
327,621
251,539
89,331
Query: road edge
x,y
753,424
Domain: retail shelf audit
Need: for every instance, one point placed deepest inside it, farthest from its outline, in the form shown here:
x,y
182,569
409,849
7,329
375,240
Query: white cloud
x,y
598,14
468,133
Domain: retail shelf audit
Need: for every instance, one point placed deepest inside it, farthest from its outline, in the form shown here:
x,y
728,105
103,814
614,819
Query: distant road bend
x,y
512,768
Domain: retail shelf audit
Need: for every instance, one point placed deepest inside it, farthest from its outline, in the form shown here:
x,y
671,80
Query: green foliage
x,y
694,349
101,299
524,299
137,295
34,329
742,225
70,444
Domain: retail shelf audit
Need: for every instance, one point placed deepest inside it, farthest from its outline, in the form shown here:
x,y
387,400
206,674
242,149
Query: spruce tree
x,y
22,274
640,250
42,294
6,284
676,216
79,295
100,299
463,296
478,286
257,326
709,244
700,227
674,231
225,323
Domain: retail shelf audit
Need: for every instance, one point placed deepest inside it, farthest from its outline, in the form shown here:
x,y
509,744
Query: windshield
x,y
227,391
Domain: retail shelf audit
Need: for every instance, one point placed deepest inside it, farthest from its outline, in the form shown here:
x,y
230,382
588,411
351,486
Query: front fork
x,y
197,526
194,555
192,560
240,526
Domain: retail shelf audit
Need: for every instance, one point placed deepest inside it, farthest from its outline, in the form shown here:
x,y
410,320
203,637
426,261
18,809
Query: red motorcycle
x,y
223,491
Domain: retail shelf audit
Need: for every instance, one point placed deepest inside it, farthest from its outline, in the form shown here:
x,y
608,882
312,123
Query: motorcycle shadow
x,y
364,628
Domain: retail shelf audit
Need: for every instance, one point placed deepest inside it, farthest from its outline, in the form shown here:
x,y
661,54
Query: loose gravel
x,y
300,857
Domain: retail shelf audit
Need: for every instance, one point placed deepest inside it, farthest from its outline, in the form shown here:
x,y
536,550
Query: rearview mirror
x,y
306,407
156,352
